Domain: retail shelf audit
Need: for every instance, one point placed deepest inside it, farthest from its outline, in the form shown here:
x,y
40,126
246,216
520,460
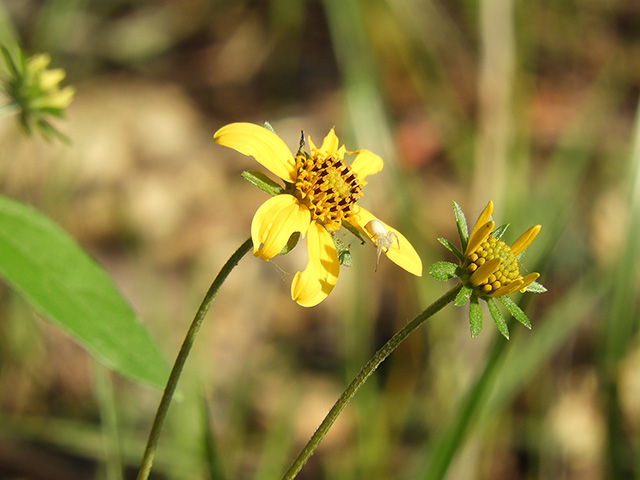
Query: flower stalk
x,y
362,377
176,371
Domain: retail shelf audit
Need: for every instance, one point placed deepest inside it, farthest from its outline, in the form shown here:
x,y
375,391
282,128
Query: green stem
x,y
163,408
362,377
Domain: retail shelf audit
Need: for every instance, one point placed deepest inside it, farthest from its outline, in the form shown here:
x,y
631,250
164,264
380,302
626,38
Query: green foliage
x,y
499,231
451,247
461,223
536,287
291,243
498,318
515,310
475,317
70,289
463,296
443,271
263,182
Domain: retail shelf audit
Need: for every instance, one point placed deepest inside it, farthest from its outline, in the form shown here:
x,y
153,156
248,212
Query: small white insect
x,y
382,238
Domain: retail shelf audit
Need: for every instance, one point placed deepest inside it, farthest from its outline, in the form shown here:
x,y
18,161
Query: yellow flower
x,y
34,92
321,193
44,84
492,265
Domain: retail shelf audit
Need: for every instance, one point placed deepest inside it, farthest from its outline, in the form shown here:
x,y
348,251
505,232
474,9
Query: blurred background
x,y
530,104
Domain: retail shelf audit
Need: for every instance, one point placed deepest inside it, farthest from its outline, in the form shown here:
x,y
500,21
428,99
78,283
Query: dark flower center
x,y
328,188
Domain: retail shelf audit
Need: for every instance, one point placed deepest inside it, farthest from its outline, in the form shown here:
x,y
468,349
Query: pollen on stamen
x,y
328,187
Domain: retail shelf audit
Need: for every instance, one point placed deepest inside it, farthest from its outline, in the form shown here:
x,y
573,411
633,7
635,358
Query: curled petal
x,y
482,219
478,235
366,163
400,251
312,285
274,222
481,275
263,145
528,280
525,240
507,289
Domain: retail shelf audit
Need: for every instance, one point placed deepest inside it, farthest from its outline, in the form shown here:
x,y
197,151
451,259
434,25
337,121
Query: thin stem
x,y
362,377
163,408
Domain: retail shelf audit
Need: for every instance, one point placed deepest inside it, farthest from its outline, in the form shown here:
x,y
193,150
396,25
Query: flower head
x,y
34,91
492,265
489,268
320,195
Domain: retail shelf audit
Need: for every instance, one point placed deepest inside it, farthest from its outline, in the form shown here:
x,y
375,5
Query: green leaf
x,y
463,296
269,127
515,311
443,271
63,283
263,182
499,232
451,247
13,68
461,222
291,243
475,317
536,287
356,233
498,318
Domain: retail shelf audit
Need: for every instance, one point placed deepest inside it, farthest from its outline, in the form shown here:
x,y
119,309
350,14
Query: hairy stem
x,y
362,377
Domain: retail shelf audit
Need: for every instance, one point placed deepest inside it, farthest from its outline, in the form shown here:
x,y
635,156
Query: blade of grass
x,y
213,457
277,446
86,441
529,350
496,85
622,321
427,42
508,367
109,420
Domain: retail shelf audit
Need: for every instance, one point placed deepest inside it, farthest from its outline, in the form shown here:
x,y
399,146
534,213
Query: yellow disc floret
x,y
500,267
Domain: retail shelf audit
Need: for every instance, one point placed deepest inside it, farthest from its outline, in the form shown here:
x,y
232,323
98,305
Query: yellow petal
x,y
312,146
481,275
329,144
507,289
479,235
263,145
312,285
528,280
483,218
401,252
366,163
525,240
274,222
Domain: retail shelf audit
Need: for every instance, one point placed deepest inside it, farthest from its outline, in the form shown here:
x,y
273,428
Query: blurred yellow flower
x,y
492,265
44,84
321,193
34,92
